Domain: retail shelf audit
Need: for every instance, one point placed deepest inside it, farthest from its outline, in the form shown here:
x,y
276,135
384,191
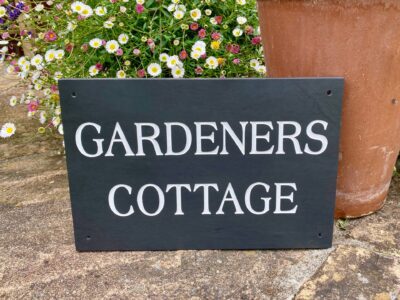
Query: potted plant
x,y
359,40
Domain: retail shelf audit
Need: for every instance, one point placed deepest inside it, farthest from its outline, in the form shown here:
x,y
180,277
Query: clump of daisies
x,y
123,39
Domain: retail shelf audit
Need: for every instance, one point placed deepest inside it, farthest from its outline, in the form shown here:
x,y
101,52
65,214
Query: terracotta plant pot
x,y
359,40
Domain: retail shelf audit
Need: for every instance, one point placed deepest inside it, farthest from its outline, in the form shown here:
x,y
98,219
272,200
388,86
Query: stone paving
x,y
38,259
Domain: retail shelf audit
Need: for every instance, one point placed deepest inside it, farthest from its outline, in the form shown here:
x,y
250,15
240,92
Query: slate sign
x,y
163,164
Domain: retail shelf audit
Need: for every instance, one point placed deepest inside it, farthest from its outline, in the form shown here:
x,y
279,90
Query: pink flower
x,y
85,47
233,48
215,36
50,36
151,44
256,40
99,66
54,88
59,6
141,73
236,61
248,29
69,47
139,8
194,26
80,18
136,52
5,35
183,54
103,42
198,70
218,19
202,33
33,106
119,52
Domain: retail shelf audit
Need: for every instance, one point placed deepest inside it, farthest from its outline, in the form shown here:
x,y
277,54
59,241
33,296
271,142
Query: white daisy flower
x,y
195,14
55,121
60,129
175,1
261,69
21,61
213,21
177,72
241,2
10,69
211,62
13,101
42,117
87,11
95,43
58,75
208,12
57,111
241,20
112,46
121,74
37,60
71,26
3,11
26,67
100,11
195,55
93,71
7,130
200,47
50,55
60,54
163,57
178,14
154,69
38,86
141,2
123,38
108,24
254,63
172,61
39,7
237,32
171,7
77,6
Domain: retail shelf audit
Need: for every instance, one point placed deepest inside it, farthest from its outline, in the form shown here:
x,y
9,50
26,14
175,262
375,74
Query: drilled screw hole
x,y
88,238
329,92
73,94
320,235
395,101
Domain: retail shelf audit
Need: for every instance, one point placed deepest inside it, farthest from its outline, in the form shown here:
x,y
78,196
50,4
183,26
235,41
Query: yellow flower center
x,y
9,130
154,69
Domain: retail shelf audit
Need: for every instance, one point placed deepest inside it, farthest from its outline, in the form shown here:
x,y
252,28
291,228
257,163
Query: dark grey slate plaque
x,y
275,172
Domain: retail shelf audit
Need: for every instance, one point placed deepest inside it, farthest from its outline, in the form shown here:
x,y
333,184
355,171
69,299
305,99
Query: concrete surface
x,y
38,259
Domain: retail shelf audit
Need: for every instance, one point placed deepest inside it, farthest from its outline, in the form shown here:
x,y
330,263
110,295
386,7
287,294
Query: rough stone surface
x,y
38,259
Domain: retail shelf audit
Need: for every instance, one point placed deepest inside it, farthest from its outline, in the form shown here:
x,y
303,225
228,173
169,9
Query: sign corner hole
x,y
320,235
88,238
329,92
73,94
